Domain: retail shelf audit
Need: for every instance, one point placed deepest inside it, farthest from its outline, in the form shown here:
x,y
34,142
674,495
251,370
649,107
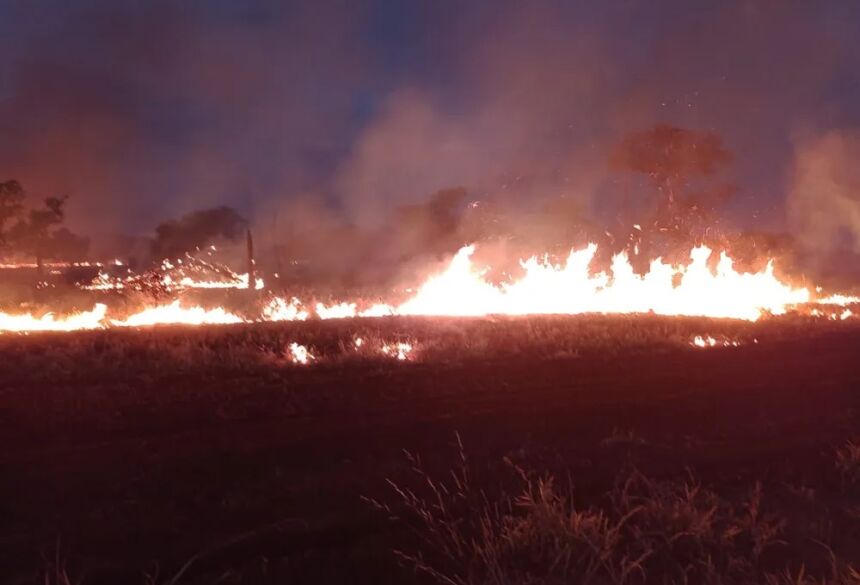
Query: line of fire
x,y
672,262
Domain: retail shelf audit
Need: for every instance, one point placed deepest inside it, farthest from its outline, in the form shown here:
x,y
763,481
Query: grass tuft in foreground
x,y
644,531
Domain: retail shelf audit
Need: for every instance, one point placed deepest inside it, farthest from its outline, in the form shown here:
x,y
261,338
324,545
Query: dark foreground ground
x,y
129,454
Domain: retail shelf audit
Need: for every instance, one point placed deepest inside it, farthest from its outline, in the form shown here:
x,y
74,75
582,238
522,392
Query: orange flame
x,y
570,289
48,322
174,314
545,288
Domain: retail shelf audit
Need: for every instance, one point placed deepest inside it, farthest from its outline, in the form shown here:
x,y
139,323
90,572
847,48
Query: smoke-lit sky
x,y
145,109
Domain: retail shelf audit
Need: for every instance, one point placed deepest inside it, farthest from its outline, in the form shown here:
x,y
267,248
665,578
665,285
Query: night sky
x,y
141,110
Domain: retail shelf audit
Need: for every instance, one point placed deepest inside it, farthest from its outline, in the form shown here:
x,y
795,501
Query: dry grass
x,y
436,340
55,571
848,462
645,531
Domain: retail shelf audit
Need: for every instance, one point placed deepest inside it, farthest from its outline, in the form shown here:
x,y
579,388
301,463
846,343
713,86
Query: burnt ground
x,y
129,464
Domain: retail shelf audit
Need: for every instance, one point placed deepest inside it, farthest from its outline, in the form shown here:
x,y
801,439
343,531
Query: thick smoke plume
x,y
825,199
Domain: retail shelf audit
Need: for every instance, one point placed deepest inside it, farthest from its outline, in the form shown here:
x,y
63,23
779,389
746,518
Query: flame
x,y
279,310
104,281
832,315
461,289
708,341
397,350
570,289
49,322
300,354
174,314
239,281
337,311
346,310
58,265
840,300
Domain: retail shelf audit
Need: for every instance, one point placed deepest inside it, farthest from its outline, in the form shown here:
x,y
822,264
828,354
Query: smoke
x,y
142,111
518,125
331,126
824,202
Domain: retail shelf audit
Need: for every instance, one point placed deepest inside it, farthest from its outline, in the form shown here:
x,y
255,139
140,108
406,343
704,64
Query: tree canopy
x,y
37,232
677,161
192,231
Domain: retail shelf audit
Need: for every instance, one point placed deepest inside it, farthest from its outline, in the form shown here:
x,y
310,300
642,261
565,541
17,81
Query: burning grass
x,y
707,286
404,339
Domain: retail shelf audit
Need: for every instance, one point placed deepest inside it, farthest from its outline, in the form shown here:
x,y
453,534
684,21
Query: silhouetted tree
x,y
673,158
174,238
11,205
33,234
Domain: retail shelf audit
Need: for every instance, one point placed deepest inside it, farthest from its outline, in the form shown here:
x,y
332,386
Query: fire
x,y
104,281
174,314
300,354
54,265
570,289
346,310
337,311
840,300
833,316
49,322
708,341
279,309
462,289
397,350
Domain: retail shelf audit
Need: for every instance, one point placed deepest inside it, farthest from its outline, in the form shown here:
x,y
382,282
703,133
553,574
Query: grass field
x,y
576,449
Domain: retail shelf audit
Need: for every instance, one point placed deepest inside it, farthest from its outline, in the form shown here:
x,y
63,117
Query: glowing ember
x,y
398,350
708,341
300,354
104,281
832,315
174,314
239,281
57,265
